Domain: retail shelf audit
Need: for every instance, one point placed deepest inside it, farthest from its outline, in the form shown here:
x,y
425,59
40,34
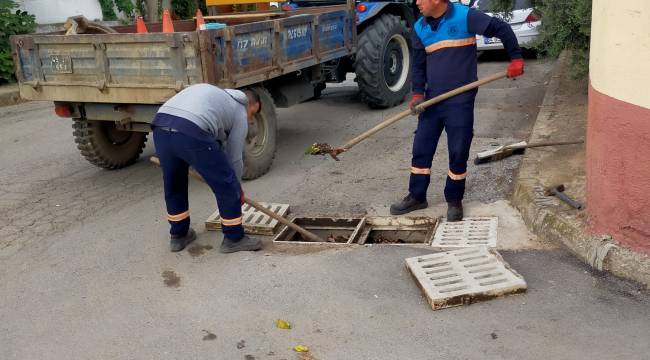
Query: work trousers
x,y
458,122
177,152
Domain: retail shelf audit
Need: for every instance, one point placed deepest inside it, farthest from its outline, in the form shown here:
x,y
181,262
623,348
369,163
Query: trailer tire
x,y
104,146
383,62
259,150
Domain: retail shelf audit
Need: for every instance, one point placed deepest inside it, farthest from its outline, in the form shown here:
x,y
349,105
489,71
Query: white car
x,y
525,22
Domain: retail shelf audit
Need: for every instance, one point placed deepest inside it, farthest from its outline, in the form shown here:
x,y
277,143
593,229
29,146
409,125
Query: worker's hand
x,y
516,68
416,100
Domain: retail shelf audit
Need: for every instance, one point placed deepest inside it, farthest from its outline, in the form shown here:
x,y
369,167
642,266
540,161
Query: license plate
x,y
492,41
61,64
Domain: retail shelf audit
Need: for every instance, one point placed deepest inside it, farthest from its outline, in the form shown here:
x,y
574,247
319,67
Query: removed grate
x,y
465,276
470,232
336,231
397,230
254,221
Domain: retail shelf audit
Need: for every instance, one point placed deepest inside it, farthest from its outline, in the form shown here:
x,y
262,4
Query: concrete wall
x,y
57,11
618,129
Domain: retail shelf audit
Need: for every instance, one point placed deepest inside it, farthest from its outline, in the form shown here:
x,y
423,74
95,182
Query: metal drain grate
x,y
461,277
254,221
470,232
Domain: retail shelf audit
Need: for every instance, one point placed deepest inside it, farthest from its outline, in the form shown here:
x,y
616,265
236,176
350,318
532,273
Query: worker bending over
x,y
205,127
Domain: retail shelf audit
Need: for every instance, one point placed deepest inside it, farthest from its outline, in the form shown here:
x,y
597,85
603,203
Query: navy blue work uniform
x,y
209,137
444,58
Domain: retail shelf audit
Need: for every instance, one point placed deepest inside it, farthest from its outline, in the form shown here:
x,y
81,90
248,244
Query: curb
x,y
10,96
568,227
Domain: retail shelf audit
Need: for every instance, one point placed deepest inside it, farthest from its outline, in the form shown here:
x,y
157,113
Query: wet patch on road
x,y
198,250
209,336
171,279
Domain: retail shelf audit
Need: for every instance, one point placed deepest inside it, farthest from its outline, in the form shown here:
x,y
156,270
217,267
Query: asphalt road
x,y
85,272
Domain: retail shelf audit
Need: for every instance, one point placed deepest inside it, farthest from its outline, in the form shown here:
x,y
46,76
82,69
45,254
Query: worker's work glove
x,y
416,100
516,68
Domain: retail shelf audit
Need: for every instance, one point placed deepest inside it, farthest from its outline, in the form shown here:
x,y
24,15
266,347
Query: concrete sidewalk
x,y
563,118
9,95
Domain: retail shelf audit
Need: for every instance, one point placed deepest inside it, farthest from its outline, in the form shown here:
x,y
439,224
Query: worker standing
x,y
205,127
444,58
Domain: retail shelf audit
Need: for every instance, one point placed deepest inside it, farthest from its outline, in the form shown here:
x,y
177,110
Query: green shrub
x,y
184,9
125,6
565,25
12,22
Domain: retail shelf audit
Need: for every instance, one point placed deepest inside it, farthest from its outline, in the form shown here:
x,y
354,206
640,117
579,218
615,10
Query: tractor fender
x,y
373,9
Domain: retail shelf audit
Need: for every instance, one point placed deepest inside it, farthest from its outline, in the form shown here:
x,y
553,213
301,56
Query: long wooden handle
x,y
307,234
535,145
435,100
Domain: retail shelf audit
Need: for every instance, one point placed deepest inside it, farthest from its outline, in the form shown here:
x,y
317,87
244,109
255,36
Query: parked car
x,y
524,20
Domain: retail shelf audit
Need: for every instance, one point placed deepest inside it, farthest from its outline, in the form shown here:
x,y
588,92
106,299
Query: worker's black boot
x,y
454,211
178,243
244,244
407,205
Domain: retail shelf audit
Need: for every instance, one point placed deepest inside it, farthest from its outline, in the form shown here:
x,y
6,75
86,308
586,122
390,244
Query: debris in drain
x,y
336,239
331,229
396,237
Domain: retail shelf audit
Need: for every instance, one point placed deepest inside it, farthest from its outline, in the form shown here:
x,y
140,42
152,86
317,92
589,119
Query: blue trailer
x,y
111,81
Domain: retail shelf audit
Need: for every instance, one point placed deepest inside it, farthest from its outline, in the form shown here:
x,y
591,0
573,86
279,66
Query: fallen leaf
x,y
300,348
282,324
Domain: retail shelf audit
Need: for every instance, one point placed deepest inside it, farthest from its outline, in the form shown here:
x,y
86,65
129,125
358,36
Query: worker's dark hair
x,y
253,97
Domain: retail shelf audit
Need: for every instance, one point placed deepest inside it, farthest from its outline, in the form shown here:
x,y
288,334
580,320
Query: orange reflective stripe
x,y
420,171
457,176
178,217
231,222
450,43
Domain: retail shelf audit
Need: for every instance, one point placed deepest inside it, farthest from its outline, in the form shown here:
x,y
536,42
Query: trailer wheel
x,y
103,145
383,62
260,142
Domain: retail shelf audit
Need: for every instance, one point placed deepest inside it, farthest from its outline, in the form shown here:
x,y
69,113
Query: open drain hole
x,y
332,230
397,237
330,235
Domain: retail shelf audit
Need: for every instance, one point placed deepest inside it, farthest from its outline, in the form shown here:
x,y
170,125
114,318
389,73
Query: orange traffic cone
x,y
140,27
199,19
168,25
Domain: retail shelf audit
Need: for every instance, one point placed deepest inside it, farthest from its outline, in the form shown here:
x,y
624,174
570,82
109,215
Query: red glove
x,y
516,68
416,100
241,196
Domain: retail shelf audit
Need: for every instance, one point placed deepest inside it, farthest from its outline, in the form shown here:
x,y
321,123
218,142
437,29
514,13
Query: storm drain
x,y
470,232
254,221
335,231
397,230
465,276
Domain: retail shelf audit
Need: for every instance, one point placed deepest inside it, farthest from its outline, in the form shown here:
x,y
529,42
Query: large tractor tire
x,y
103,145
383,62
259,150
